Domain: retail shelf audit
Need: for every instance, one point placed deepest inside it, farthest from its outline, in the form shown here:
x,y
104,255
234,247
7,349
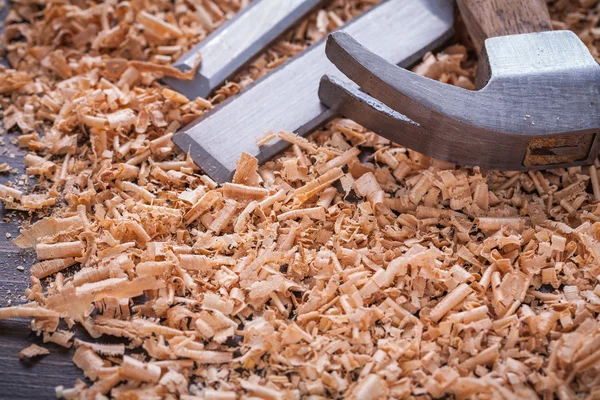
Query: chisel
x,y
236,42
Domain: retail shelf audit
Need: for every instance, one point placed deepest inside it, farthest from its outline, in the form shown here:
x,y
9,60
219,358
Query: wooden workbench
x,y
34,379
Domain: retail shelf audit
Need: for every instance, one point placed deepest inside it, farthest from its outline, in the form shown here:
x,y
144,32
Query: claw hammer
x,y
538,103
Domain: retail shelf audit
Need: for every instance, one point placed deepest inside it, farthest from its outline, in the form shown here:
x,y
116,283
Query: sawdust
x,y
419,277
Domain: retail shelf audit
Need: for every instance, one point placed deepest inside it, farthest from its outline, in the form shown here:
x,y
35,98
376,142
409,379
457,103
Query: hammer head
x,y
551,82
538,104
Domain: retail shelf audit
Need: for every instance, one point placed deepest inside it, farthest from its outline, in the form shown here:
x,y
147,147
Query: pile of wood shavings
x,y
410,276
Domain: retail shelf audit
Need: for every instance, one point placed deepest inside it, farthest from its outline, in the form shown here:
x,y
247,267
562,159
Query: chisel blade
x,y
236,42
401,31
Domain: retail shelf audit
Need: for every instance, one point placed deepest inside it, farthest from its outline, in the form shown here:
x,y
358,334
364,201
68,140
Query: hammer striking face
x,y
538,104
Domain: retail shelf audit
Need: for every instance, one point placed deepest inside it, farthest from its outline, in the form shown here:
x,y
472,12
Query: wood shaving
x,y
420,279
33,351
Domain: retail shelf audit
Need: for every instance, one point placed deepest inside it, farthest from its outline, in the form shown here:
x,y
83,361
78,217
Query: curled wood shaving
x,y
243,192
33,351
157,26
26,311
139,371
47,227
304,193
50,267
246,171
59,337
59,250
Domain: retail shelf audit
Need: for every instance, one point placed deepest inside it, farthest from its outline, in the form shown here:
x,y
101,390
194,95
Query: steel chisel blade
x,y
236,42
401,31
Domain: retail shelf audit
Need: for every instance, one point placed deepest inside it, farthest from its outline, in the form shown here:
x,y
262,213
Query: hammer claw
x,y
348,99
404,91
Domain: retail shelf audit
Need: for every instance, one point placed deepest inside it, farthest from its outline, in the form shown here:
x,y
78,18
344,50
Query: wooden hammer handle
x,y
489,18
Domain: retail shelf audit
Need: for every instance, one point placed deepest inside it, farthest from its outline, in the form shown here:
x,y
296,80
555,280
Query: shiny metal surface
x,y
539,103
401,31
235,43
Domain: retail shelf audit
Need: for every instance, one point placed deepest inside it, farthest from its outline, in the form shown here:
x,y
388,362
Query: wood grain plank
x,y
34,379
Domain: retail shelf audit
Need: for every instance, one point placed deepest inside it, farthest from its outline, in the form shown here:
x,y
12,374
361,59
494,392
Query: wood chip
x,y
33,351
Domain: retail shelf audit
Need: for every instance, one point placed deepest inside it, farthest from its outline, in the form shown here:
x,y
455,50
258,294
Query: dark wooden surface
x,y
34,379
